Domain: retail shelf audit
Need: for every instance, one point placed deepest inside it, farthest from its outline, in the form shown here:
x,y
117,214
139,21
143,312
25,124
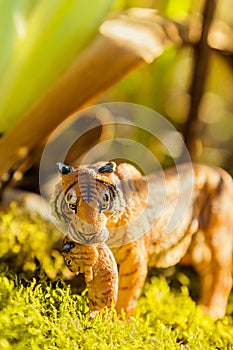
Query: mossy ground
x,y
39,311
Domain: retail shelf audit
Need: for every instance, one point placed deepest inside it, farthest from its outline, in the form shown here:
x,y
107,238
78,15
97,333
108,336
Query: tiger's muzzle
x,y
83,233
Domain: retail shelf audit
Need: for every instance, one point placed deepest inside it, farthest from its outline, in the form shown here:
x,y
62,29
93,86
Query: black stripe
x,y
130,185
56,199
111,187
61,207
99,299
137,189
81,174
220,186
113,190
72,185
129,273
73,228
86,185
89,192
127,253
109,279
109,291
116,241
124,288
104,274
56,206
124,189
89,196
178,242
92,302
65,210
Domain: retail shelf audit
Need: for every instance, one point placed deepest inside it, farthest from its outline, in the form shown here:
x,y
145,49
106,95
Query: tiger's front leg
x,y
102,290
132,261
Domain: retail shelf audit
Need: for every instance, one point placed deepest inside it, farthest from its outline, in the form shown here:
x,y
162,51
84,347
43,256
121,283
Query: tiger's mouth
x,y
87,238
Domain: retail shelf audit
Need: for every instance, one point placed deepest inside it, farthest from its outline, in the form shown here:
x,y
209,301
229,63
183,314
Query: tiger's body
x,y
132,213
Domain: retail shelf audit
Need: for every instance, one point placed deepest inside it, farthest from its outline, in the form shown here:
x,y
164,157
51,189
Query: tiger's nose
x,y
91,216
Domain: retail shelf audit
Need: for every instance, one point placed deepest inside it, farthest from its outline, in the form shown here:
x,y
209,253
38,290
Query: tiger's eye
x,y
68,262
73,207
105,203
104,206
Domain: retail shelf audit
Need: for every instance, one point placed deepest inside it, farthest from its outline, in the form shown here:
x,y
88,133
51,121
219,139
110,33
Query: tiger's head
x,y
85,198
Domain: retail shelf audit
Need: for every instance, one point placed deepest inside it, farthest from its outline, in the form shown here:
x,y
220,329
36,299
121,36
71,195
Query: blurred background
x,y
57,57
166,84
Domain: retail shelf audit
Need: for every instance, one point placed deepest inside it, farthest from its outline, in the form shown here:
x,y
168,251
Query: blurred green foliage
x,y
164,85
39,40
29,244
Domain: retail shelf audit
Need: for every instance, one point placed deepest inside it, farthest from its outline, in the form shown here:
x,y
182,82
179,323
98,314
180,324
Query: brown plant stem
x,y
202,53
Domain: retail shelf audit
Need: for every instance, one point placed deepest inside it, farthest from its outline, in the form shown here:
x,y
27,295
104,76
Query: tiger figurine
x,y
121,222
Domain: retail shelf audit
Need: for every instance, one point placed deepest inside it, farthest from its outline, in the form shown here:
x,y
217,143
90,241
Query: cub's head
x,y
85,198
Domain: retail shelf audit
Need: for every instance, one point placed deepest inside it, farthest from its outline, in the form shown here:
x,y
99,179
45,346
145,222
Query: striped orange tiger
x,y
106,205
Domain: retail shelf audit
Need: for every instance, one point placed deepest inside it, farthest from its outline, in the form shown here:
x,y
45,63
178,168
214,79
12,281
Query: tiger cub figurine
x,y
121,222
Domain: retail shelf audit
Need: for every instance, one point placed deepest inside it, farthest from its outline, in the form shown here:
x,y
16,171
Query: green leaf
x,y
44,44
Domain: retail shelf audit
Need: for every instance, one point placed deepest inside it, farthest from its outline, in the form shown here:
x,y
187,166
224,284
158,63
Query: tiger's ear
x,y
64,169
108,168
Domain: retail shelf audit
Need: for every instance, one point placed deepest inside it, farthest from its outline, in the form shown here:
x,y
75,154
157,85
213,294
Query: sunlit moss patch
x,y
44,313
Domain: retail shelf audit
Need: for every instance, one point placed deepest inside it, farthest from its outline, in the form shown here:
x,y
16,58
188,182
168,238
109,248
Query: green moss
x,y
40,314
29,244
